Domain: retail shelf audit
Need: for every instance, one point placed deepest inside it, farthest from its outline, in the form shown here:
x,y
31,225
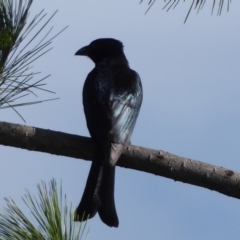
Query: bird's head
x,y
102,49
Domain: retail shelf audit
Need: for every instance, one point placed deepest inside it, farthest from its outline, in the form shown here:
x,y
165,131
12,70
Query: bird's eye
x,y
93,48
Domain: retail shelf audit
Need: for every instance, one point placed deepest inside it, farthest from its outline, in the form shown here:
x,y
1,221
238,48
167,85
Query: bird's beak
x,y
83,51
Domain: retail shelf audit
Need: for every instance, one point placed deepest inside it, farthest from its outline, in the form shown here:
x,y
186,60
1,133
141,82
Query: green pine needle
x,y
49,220
21,43
194,4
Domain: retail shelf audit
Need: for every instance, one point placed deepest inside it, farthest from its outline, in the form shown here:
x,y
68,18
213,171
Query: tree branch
x,y
157,162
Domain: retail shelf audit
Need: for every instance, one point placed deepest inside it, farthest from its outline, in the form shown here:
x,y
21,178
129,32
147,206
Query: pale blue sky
x,y
190,74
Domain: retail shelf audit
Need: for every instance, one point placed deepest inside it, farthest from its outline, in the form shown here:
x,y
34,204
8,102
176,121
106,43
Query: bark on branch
x,y
157,162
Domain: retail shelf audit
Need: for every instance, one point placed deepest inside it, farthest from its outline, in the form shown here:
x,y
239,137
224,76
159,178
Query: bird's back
x,y
112,97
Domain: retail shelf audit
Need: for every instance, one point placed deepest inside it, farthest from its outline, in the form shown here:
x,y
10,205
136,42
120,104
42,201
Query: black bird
x,y
112,97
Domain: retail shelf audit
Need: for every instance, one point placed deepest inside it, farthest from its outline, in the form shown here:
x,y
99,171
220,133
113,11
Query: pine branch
x,y
195,5
50,218
156,162
21,43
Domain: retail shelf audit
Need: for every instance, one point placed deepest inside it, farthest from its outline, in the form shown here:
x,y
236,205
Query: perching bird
x,y
112,97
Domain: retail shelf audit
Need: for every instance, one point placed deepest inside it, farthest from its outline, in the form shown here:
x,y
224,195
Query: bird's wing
x,y
124,110
111,111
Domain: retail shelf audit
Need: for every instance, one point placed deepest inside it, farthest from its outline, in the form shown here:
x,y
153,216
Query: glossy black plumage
x,y
112,97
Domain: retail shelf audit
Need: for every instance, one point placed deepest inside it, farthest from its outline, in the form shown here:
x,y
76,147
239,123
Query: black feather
x,y
112,97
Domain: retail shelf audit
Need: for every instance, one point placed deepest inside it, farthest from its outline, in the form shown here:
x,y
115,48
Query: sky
x,y
190,75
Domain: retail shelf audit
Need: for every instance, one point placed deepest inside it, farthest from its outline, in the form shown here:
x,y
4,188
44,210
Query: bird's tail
x,y
98,196
107,210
